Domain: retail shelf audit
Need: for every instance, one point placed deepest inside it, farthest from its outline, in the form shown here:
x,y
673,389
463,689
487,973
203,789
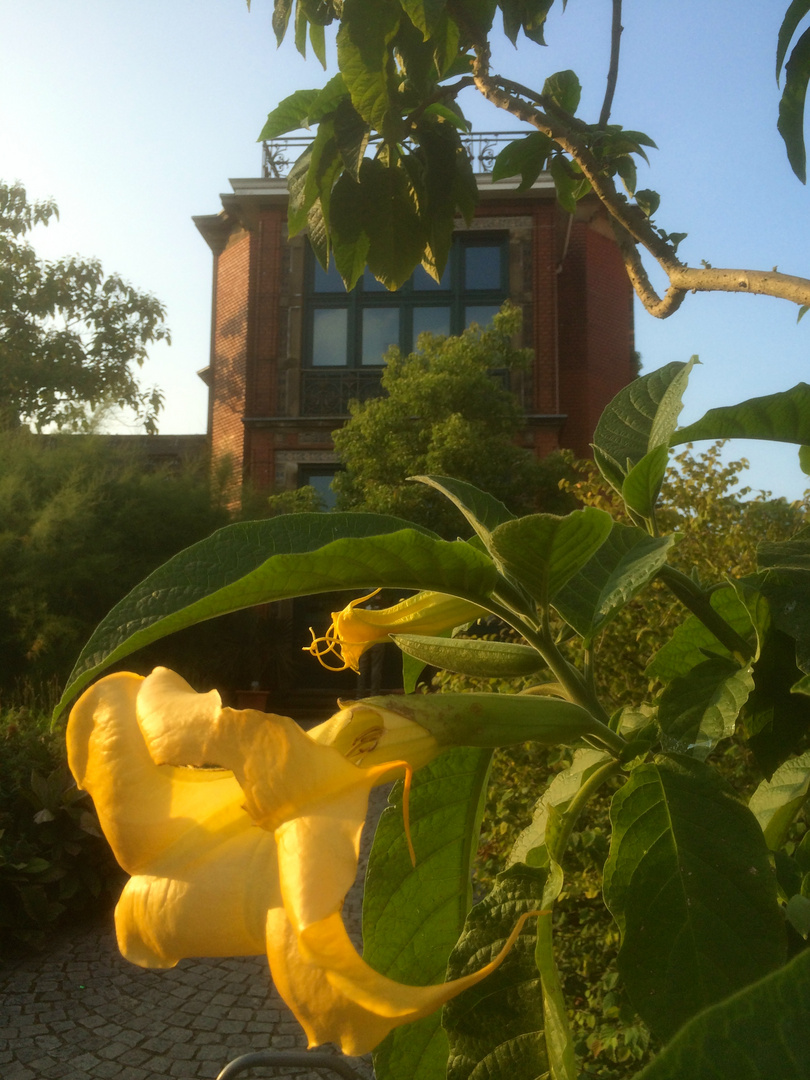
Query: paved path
x,y
79,1011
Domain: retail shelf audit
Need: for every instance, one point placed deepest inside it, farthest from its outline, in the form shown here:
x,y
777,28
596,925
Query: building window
x,y
354,330
320,477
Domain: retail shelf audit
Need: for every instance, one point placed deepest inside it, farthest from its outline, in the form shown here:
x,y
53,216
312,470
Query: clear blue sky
x,y
133,117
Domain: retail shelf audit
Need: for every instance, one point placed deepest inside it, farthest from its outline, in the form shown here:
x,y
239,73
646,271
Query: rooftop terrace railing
x,y
279,155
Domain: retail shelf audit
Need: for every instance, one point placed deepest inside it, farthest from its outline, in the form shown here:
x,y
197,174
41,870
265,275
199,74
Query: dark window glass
x,y
321,480
380,331
370,283
329,336
482,314
328,280
422,280
482,266
432,320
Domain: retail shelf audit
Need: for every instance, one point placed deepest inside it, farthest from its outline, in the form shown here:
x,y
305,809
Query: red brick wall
x,y
596,333
229,362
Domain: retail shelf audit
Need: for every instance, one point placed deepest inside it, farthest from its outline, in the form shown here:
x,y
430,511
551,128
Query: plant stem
x,y
559,1046
693,597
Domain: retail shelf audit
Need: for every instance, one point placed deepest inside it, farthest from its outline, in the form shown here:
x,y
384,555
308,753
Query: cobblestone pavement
x,y
79,1011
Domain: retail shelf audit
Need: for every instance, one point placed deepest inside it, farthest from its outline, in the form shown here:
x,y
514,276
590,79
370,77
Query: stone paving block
x,y
87,1062
18,1071
204,1023
112,1050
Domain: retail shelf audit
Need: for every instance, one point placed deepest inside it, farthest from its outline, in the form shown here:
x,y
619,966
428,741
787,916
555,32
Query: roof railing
x,y
279,155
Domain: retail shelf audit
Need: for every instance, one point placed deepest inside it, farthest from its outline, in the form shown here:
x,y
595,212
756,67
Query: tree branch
x,y
613,71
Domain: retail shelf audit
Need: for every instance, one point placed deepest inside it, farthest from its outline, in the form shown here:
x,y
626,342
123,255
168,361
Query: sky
x,y
133,117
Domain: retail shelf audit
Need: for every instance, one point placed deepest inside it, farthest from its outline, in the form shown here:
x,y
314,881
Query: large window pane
x,y
422,279
370,283
328,280
432,320
329,332
380,330
481,314
482,266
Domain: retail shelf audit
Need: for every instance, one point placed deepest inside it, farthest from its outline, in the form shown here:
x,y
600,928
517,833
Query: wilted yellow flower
x,y
180,785
355,629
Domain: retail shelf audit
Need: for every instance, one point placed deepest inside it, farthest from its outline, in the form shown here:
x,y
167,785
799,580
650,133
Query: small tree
x,y
445,412
70,335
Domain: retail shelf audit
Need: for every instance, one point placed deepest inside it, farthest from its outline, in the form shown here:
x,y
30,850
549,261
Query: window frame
x,y
406,299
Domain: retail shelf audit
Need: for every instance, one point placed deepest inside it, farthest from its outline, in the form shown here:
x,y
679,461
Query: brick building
x,y
290,348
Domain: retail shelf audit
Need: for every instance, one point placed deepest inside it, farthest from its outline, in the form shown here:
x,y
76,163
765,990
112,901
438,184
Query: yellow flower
x,y
180,785
356,629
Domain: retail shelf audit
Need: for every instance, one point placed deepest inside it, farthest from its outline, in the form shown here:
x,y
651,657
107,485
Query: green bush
x,y
55,866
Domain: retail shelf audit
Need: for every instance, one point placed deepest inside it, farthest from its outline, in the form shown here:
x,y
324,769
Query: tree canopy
x,y
445,412
71,337
402,65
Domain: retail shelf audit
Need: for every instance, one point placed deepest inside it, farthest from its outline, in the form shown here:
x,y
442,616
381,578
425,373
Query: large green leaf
x,y
692,641
775,719
472,656
496,1028
484,512
790,24
531,845
783,417
791,105
413,916
256,562
642,485
626,562
363,40
542,551
759,1033
689,882
527,157
640,418
699,709
777,801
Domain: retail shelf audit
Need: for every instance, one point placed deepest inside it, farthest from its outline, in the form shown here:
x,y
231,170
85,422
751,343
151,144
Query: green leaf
x,y
290,114
350,241
564,89
627,561
484,512
791,105
783,417
351,136
689,882
564,183
363,40
642,484
496,1028
804,459
531,845
472,656
648,201
542,551
777,801
626,168
412,916
281,18
692,641
257,562
526,157
790,24
775,719
640,418
760,1033
424,14
396,239
488,720
700,708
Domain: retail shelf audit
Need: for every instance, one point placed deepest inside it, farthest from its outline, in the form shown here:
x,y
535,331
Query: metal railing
x,y
328,391
279,155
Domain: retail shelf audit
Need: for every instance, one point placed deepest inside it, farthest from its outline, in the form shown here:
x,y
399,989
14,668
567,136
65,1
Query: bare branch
x,y
613,70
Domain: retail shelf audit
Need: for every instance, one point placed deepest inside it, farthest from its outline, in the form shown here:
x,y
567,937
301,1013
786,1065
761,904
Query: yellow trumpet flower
x,y
241,835
355,629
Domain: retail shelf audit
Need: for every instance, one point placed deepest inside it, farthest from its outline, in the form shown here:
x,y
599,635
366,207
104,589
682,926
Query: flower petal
x,y
338,998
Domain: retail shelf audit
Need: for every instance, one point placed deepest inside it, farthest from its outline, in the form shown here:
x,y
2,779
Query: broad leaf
x,y
484,512
760,1033
531,845
791,105
496,1028
525,157
689,882
424,14
472,656
783,417
396,238
542,552
692,641
413,916
363,40
627,561
775,719
790,24
642,484
697,710
640,418
291,113
257,562
777,801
